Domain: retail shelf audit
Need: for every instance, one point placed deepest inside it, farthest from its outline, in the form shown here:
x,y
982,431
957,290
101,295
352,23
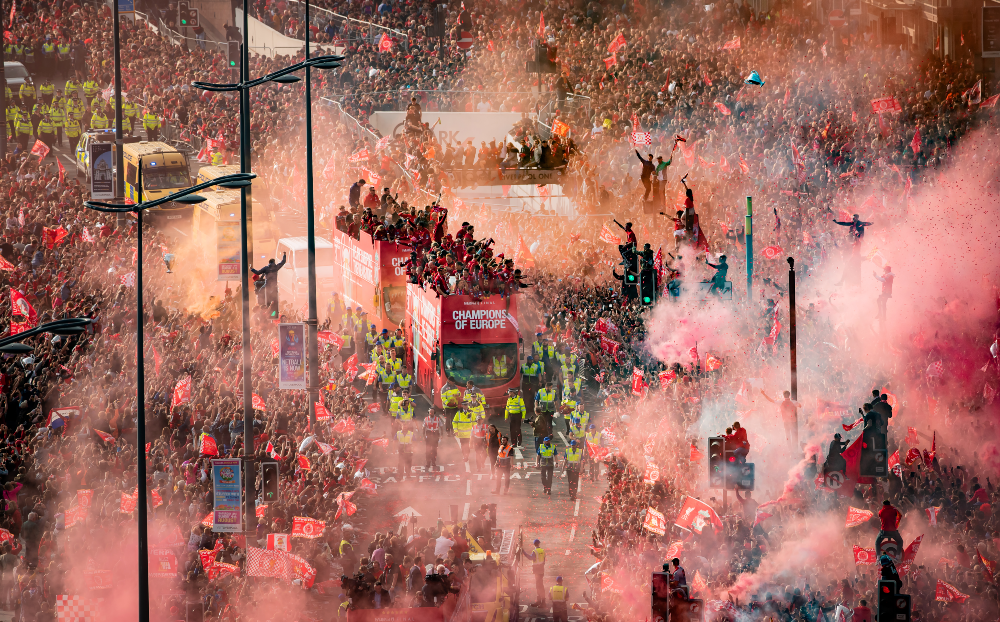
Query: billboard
x,y
227,511
991,32
102,166
370,274
291,356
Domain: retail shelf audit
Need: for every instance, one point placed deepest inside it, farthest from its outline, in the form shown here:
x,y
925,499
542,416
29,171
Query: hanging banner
x,y
102,180
227,251
291,356
227,512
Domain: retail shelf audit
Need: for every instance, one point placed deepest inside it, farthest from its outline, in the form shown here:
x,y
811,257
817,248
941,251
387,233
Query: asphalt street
x,y
563,526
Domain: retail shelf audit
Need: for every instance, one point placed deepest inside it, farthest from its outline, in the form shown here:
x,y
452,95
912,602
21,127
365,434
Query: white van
x,y
293,279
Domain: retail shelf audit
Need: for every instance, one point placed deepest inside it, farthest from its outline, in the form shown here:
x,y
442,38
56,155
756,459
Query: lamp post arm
x,y
112,207
220,88
43,328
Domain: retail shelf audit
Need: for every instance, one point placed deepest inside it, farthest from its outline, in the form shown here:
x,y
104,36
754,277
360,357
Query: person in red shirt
x,y
889,530
862,613
739,441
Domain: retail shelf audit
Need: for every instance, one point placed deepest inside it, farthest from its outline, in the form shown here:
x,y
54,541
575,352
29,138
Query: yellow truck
x,y
154,170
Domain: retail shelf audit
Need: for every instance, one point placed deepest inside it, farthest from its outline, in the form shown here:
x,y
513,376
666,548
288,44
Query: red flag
x,y
912,456
911,436
83,497
368,486
864,557
610,61
128,503
303,463
674,549
770,252
385,44
989,567
948,593
258,403
330,170
910,552
638,384
322,414
616,44
523,256
693,352
182,392
696,455
609,345
21,308
278,542
655,522
373,408
712,363
990,102
269,450
541,25
107,438
40,149
344,426
489,46
857,517
695,515
723,164
848,428
74,515
208,445
743,165
893,464
381,442
667,377
157,361
311,528
724,110
915,143
597,452
263,563
760,516
62,172
734,44
932,513
345,505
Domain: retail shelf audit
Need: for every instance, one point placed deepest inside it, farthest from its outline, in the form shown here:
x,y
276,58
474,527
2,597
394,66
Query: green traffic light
x,y
646,299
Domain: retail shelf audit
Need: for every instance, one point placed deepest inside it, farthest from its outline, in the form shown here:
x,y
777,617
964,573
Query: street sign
x,y
126,6
465,40
991,32
837,19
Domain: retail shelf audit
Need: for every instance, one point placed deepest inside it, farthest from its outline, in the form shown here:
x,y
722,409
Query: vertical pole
x,y
140,432
791,329
250,514
119,161
312,387
3,92
749,237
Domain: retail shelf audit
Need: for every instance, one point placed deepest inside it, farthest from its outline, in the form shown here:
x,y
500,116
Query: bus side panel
x,y
423,311
389,257
354,274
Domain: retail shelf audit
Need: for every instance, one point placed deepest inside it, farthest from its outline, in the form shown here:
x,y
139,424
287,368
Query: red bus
x,y
369,274
459,338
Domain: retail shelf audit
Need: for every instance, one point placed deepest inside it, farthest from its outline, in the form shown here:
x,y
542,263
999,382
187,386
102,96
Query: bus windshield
x,y
165,178
483,364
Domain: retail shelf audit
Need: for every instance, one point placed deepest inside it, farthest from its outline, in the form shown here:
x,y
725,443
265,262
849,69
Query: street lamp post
x,y
187,195
282,76
65,326
791,329
312,388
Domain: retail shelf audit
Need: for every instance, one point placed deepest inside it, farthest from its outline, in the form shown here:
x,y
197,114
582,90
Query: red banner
x,y
655,522
948,593
864,557
857,517
303,527
695,515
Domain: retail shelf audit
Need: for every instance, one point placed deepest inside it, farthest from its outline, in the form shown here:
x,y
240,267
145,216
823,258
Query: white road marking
x,y
467,469
565,442
576,512
468,487
517,454
572,532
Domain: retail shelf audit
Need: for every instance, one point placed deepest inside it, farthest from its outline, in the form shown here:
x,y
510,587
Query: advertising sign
x,y
227,249
991,32
102,166
291,356
227,487
466,320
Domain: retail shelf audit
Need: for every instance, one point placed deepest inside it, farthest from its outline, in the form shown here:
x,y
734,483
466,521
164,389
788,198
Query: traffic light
x,y
183,13
269,481
716,462
740,475
660,598
439,28
690,610
647,287
892,606
194,18
234,54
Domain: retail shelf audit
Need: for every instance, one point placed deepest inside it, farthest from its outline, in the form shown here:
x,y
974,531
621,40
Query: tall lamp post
x,y
188,196
312,388
791,329
282,76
